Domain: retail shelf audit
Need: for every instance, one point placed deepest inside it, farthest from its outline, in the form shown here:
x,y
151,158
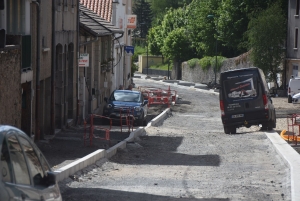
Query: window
x,y
15,17
295,67
5,163
33,162
18,161
297,7
296,38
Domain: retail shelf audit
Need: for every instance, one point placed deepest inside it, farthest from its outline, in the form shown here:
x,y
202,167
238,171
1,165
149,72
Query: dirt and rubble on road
x,y
187,157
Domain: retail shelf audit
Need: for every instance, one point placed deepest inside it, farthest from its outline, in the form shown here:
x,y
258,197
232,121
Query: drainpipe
x,y
53,71
78,51
37,90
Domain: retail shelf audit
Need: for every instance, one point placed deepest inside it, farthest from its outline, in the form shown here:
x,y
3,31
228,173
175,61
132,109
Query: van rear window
x,y
241,87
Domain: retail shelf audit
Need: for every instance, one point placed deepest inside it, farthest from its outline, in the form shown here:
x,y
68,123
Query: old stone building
x,y
96,42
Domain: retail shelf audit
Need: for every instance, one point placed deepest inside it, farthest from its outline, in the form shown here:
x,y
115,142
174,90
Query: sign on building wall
x,y
83,60
131,21
129,50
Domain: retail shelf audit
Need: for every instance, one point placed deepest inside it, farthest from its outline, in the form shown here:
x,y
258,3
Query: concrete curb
x,y
291,159
70,169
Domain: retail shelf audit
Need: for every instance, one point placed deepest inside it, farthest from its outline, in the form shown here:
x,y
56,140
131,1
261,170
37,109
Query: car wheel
x,y
289,99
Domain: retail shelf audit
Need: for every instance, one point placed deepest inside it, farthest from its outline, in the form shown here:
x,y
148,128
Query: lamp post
x,y
147,55
215,67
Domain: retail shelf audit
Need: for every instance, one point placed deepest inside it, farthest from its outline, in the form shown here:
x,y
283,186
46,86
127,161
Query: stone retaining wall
x,y
196,74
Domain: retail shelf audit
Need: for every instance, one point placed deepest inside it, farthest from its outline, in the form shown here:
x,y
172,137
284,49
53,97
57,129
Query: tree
x,y
161,6
267,33
201,29
142,9
155,40
234,16
176,45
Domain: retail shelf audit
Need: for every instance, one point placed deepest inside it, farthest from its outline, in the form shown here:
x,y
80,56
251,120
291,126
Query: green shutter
x,y
26,51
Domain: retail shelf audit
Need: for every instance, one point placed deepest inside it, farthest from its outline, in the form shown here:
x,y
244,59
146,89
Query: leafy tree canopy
x,y
161,6
142,9
176,45
267,33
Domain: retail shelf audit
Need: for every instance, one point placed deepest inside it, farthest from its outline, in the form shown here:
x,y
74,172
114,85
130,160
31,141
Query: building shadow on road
x,y
95,194
157,150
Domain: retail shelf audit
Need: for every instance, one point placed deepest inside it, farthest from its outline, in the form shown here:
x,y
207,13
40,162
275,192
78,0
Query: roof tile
x,y
102,8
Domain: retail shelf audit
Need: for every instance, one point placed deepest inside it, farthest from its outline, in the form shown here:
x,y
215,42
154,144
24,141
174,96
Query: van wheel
x,y
289,99
267,126
229,130
226,130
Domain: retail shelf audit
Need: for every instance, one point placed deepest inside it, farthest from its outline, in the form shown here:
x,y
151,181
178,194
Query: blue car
x,y
124,103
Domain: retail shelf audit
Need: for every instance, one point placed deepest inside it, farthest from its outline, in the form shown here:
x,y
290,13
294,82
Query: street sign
x,y
129,50
83,60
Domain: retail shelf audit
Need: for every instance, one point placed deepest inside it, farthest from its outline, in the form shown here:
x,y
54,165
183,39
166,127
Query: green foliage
x,y
155,40
205,63
138,50
267,50
160,6
142,10
176,45
193,62
220,60
134,68
201,29
173,19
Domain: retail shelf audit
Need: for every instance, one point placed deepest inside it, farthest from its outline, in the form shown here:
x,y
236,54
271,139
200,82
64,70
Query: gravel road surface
x,y
188,157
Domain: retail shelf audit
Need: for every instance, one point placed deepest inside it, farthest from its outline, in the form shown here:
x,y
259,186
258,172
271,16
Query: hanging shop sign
x,y
83,60
131,21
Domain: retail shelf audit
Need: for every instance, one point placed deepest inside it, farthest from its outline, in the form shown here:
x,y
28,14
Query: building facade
x,y
293,45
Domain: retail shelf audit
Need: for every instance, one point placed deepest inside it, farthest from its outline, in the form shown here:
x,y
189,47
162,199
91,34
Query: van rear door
x,y
242,93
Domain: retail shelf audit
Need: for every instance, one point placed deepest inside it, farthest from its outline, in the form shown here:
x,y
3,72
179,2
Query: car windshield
x,y
125,96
